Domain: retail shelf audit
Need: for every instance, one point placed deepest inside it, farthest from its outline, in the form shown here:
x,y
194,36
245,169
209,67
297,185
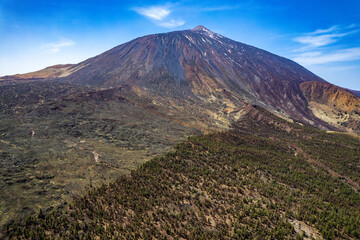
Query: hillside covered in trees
x,y
264,179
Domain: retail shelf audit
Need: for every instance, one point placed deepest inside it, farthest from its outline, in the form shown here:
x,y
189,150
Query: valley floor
x,y
264,179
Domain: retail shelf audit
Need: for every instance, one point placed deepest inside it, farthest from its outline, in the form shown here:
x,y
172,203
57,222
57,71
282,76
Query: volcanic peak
x,y
201,28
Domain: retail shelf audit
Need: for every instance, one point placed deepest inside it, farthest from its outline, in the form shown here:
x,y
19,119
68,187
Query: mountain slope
x,y
201,65
264,179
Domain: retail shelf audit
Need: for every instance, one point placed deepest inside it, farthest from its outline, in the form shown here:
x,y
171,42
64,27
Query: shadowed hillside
x,y
357,93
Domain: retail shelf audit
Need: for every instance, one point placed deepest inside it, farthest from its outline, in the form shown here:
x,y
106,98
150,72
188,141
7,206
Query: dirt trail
x,y
348,180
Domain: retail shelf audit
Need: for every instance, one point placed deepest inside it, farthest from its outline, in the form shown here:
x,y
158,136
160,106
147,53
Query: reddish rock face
x,y
330,95
333,104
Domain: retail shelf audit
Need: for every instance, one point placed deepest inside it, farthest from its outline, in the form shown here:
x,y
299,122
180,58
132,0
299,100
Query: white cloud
x,y
321,37
317,47
321,40
159,15
330,29
313,58
310,54
172,23
57,46
220,8
354,25
154,12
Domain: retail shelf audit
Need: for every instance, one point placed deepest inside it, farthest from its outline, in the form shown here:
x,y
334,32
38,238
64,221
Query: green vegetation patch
x,y
253,182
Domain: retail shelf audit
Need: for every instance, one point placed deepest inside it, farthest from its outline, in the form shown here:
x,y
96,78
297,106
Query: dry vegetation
x,y
248,183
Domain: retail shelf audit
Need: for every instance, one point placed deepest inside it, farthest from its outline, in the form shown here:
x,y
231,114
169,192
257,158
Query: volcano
x,y
204,66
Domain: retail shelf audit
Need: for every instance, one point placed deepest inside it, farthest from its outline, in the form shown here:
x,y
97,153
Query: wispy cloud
x,y
172,23
321,37
220,8
321,40
320,31
154,12
353,25
312,58
55,47
159,15
318,46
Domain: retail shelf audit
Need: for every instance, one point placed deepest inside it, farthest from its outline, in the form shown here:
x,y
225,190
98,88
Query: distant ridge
x,y
52,72
357,93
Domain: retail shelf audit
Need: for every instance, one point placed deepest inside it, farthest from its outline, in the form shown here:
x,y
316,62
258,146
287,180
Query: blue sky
x,y
323,36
